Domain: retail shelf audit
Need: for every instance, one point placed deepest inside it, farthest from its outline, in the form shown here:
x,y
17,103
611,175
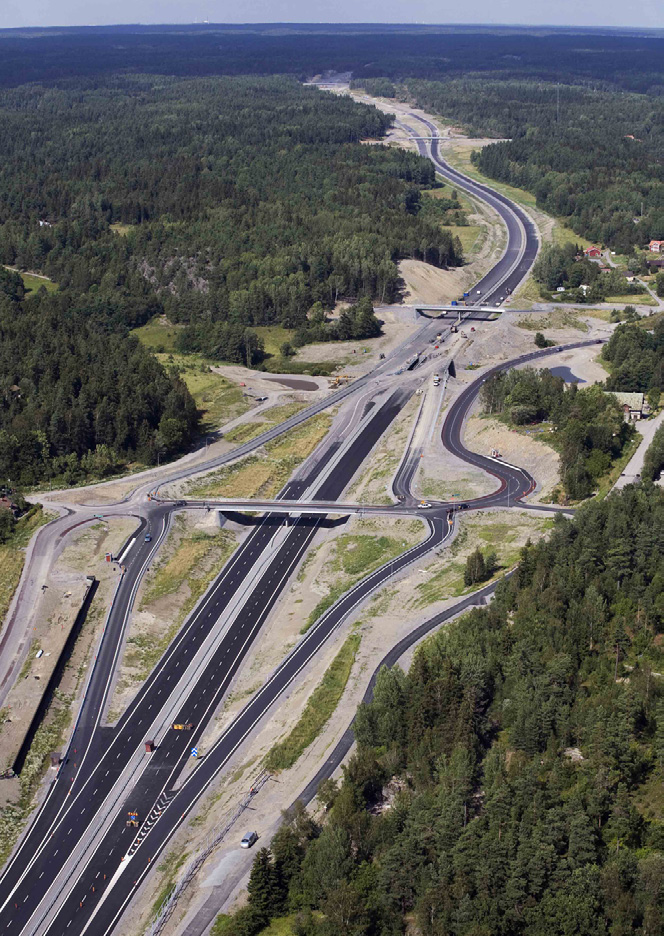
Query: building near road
x,y
656,246
633,405
593,253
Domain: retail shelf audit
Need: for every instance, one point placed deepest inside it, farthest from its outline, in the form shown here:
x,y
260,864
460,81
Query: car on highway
x,y
148,538
249,839
424,505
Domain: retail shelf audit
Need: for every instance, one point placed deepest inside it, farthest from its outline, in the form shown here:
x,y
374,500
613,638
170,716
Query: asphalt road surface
x,y
85,794
83,785
522,240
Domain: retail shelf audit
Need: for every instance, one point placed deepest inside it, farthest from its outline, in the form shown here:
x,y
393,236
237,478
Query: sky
x,y
528,12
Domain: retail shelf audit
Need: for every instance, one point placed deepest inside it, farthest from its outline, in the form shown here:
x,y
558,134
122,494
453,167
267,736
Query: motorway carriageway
x,y
522,240
439,531
97,776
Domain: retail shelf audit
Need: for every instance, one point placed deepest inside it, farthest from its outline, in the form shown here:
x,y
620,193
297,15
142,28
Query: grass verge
x,y
638,299
169,869
272,416
557,318
12,555
607,481
526,294
263,475
357,555
189,571
490,534
49,737
318,710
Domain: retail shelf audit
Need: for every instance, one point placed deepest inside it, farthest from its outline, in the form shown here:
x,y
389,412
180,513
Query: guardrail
x,y
194,866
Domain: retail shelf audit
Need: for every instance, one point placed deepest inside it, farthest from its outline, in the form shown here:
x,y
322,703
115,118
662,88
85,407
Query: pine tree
x,y
262,887
475,568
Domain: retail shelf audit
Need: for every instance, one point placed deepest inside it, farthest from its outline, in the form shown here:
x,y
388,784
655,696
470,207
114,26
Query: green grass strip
x,y
318,710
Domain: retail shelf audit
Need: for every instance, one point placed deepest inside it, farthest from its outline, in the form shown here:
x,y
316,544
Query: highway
x,y
79,865
522,237
93,781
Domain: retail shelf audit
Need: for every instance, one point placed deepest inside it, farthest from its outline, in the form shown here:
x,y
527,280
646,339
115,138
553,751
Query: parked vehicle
x,y
249,839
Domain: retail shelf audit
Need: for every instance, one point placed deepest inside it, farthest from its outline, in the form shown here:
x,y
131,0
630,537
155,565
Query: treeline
x,y
509,783
593,156
630,59
565,266
77,401
222,203
653,462
234,200
588,427
636,360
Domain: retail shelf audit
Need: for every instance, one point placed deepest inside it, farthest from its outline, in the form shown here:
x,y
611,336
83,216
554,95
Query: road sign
x,y
194,752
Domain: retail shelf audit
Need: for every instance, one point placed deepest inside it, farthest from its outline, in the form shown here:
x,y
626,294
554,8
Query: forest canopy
x,y
223,203
243,200
592,155
510,783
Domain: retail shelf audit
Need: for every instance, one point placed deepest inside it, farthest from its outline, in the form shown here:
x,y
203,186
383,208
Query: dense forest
x,y
238,199
223,203
510,783
630,58
75,400
587,426
635,357
593,156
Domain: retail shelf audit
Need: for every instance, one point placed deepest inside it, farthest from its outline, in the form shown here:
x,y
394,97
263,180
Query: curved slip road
x,y
86,896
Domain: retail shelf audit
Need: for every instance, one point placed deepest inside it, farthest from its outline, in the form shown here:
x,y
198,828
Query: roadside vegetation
x,y
653,462
268,418
192,558
528,735
318,710
217,399
483,534
48,738
264,474
356,555
586,426
14,538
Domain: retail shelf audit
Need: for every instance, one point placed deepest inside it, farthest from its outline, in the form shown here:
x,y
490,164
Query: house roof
x,y
633,400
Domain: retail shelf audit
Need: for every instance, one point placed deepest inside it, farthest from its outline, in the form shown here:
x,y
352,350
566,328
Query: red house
x,y
592,253
656,246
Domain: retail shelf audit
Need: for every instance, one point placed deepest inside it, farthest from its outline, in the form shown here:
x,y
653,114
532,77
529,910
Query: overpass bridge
x,y
473,312
298,507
